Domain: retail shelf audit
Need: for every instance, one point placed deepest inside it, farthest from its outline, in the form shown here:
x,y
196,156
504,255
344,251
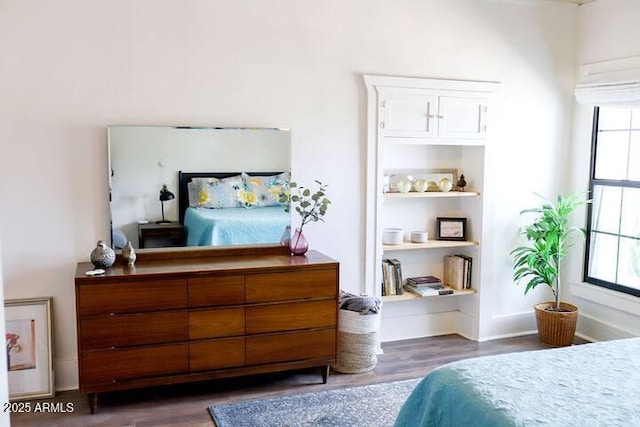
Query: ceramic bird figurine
x,y
461,183
129,254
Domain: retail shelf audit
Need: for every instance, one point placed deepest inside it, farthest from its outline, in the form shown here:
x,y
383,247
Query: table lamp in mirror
x,y
165,196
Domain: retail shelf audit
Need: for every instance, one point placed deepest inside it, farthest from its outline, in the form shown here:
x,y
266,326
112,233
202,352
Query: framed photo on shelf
x,y
29,348
451,229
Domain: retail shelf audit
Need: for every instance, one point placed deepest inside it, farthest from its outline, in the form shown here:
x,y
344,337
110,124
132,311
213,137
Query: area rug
x,y
370,405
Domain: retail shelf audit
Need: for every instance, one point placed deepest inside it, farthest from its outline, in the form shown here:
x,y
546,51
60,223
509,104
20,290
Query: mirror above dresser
x,y
222,181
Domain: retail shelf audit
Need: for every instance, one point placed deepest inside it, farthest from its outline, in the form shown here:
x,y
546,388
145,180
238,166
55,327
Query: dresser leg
x,y
93,402
325,373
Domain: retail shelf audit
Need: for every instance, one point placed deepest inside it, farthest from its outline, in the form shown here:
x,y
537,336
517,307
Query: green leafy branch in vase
x,y
311,206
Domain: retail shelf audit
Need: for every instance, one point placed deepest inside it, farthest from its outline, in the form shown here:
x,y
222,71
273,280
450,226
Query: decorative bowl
x,y
445,185
392,236
419,236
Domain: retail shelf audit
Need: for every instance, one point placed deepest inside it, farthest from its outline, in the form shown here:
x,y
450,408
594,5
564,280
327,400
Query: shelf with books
x,y
430,244
406,296
429,194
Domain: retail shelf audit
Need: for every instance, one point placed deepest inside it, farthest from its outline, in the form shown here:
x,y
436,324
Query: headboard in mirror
x,y
142,159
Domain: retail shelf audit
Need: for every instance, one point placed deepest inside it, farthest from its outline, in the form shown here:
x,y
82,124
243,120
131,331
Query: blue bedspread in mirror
x,y
595,384
235,226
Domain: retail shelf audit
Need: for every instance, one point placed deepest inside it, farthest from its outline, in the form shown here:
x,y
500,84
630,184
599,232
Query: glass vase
x,y
298,244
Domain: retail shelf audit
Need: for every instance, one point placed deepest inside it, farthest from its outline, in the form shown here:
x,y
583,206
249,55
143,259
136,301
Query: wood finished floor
x,y
186,405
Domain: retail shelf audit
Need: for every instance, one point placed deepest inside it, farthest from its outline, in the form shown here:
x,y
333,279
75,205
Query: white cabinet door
x,y
461,117
421,113
408,113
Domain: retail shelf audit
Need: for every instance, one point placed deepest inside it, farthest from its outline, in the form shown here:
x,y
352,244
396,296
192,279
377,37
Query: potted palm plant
x,y
549,238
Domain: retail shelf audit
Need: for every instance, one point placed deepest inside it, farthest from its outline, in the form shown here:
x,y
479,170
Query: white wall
x,y
71,68
607,30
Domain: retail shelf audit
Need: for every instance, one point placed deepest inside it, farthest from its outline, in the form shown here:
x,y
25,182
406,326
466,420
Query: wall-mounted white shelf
x,y
429,244
429,194
411,296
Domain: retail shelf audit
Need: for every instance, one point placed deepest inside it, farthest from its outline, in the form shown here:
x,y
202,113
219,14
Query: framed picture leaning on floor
x,y
29,348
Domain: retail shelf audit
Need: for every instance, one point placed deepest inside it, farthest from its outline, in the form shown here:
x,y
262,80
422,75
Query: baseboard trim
x,y
593,330
66,374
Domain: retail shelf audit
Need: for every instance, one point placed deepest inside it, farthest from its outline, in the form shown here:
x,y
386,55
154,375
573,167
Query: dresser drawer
x,y
132,297
221,322
133,329
291,285
100,367
216,354
216,290
290,316
291,346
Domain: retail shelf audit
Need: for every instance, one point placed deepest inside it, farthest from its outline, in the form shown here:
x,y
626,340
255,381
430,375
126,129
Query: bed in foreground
x,y
595,384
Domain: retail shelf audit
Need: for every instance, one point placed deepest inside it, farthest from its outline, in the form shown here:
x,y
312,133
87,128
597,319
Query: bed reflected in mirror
x,y
225,184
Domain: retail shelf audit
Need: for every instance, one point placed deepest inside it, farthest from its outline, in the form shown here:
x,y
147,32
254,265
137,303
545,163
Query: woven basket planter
x,y
556,328
357,342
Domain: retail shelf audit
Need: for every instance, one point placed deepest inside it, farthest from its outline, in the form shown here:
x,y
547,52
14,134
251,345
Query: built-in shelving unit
x,y
418,127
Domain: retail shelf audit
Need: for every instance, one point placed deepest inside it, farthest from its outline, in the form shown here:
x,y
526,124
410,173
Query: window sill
x,y
599,295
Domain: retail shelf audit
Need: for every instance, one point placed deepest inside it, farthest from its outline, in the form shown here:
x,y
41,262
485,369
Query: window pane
x,y
629,263
614,226
611,155
605,215
634,155
614,118
603,257
630,217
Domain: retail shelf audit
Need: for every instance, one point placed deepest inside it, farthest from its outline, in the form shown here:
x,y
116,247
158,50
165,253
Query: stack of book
x,y
426,286
457,271
392,277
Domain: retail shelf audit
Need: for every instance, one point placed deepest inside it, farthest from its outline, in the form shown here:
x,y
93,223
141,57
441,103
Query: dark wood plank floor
x,y
186,405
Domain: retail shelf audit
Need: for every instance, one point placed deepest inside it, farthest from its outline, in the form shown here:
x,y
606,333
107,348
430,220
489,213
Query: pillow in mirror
x,y
265,190
215,193
193,191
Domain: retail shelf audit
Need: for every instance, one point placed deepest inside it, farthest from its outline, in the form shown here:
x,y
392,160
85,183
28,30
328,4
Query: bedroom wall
x,y
607,30
71,68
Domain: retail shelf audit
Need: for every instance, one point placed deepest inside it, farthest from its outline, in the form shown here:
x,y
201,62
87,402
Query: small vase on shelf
x,y
298,243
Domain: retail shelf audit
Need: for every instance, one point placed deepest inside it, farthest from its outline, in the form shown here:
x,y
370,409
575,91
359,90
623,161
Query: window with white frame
x,y
613,225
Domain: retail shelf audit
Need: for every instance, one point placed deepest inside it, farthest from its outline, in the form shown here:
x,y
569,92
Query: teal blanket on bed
x,y
235,226
586,385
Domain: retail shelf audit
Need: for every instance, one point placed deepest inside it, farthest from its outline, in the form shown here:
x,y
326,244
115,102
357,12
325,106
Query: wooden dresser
x,y
196,315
